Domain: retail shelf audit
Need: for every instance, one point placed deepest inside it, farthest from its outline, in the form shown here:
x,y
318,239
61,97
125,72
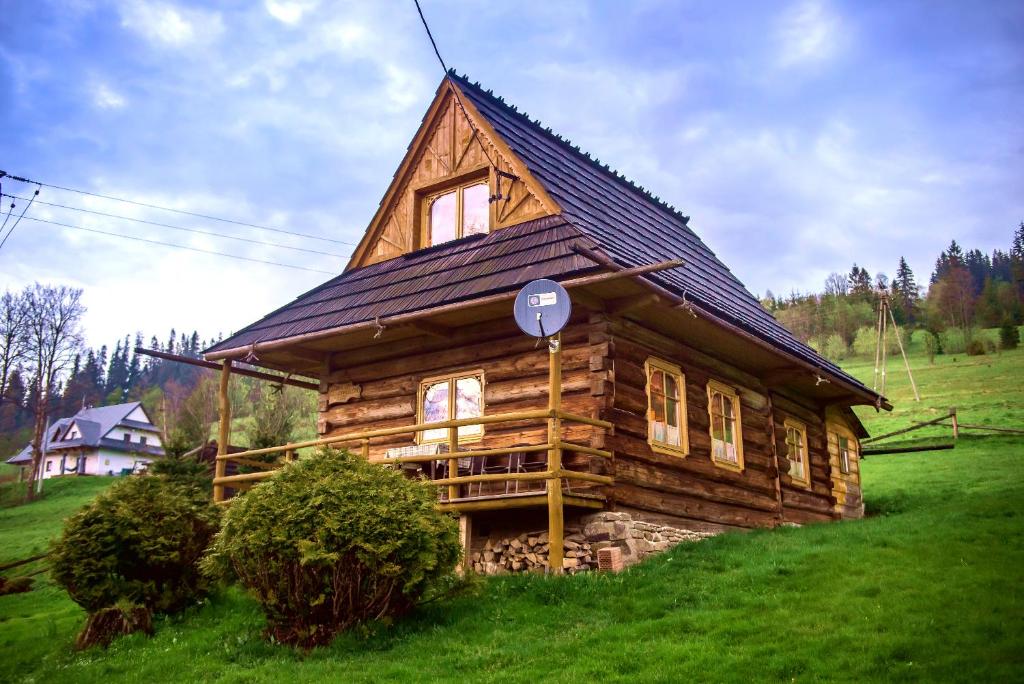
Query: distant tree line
x,y
966,291
46,373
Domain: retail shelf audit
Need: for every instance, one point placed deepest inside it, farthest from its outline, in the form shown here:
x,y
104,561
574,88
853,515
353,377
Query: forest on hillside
x,y
966,291
180,399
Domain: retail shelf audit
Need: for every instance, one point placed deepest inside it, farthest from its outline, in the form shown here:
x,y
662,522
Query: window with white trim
x,y
797,453
666,408
454,396
726,430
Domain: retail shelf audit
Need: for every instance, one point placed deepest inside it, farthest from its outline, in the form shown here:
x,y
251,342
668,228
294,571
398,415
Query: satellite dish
x,y
542,308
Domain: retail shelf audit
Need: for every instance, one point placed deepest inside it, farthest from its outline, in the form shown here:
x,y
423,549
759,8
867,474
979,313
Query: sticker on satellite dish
x,y
542,308
543,299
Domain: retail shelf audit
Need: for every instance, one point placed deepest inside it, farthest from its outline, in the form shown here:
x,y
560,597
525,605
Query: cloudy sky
x,y
799,136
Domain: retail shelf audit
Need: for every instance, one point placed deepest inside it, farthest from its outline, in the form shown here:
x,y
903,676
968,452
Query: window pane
x,y
475,212
435,409
469,403
671,386
442,219
657,382
672,412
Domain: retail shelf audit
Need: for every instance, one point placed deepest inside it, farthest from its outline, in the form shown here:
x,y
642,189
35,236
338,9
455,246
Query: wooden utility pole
x,y
885,315
556,514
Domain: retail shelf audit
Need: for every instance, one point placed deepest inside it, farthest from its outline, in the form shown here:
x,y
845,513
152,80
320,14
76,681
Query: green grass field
x,y
929,587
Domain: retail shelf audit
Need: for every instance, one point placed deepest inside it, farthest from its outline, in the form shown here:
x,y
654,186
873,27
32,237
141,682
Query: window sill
x,y
726,465
668,449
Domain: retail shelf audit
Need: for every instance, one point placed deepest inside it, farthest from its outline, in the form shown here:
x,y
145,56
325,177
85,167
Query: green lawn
x,y
929,587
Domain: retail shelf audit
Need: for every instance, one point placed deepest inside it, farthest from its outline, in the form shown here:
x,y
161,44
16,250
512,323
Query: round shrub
x,y
332,541
138,543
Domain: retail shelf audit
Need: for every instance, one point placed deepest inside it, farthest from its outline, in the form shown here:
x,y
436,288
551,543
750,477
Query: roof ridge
x,y
567,144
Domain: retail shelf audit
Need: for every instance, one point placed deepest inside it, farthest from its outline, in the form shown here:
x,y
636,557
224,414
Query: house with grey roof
x,y
105,440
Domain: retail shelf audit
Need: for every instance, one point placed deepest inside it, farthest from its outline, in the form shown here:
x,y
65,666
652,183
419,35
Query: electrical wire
x,y
18,220
176,246
179,211
455,90
182,228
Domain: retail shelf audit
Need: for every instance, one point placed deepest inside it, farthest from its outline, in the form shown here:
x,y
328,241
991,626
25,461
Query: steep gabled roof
x,y
94,424
633,226
24,457
598,207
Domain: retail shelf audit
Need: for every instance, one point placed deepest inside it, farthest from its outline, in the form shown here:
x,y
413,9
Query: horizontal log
x,y
235,369
636,472
244,477
370,434
689,506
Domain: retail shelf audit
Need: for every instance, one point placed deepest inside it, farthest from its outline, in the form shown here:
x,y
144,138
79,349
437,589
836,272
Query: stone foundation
x,y
528,552
637,539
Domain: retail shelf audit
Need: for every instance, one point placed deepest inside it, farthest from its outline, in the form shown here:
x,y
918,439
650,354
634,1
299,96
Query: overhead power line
x,y
179,211
21,216
176,246
455,90
182,228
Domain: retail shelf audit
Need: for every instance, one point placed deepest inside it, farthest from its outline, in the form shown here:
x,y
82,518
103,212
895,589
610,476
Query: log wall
x,y
812,503
604,376
846,487
379,388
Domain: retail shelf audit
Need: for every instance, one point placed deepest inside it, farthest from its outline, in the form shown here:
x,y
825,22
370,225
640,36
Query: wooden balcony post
x,y
556,514
453,461
224,433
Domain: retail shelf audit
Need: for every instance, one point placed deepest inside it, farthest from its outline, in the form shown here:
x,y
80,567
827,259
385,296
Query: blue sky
x,y
800,136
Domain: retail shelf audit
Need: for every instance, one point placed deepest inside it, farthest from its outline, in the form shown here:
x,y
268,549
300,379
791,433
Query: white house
x,y
107,440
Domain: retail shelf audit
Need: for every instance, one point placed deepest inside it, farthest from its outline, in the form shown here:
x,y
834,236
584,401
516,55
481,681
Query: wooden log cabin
x,y
672,394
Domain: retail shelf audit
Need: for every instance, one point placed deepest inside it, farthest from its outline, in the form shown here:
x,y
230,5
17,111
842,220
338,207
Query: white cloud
x,y
289,12
808,33
105,97
171,26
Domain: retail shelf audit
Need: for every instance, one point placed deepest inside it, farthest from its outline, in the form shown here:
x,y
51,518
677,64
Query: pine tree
x,y
905,295
135,367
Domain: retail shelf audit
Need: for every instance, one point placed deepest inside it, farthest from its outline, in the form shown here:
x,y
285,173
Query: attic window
x,y
458,212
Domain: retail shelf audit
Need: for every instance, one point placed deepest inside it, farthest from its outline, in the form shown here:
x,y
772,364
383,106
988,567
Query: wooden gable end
x,y
448,150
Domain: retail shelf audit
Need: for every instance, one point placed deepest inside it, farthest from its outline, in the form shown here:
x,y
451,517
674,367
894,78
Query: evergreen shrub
x,y
332,541
136,547
1009,336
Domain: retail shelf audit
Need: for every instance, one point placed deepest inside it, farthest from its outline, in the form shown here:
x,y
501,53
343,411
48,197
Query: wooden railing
x,y
552,476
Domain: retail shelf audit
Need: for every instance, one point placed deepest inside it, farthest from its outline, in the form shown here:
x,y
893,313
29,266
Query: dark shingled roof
x,y
633,226
599,206
451,272
94,424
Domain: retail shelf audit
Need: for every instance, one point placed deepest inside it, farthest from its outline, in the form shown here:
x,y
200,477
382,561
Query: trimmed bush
x,y
332,541
136,546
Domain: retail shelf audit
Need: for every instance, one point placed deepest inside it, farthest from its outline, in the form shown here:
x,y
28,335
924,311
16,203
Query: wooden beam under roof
x,y
259,375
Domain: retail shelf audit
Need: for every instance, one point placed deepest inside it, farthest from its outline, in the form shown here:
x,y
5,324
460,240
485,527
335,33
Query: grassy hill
x,y
928,587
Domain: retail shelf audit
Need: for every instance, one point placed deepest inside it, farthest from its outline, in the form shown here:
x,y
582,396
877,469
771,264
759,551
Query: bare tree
x,y
837,285
12,337
54,336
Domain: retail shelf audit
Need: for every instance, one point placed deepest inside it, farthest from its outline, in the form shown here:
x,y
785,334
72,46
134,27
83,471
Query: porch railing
x,y
553,475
